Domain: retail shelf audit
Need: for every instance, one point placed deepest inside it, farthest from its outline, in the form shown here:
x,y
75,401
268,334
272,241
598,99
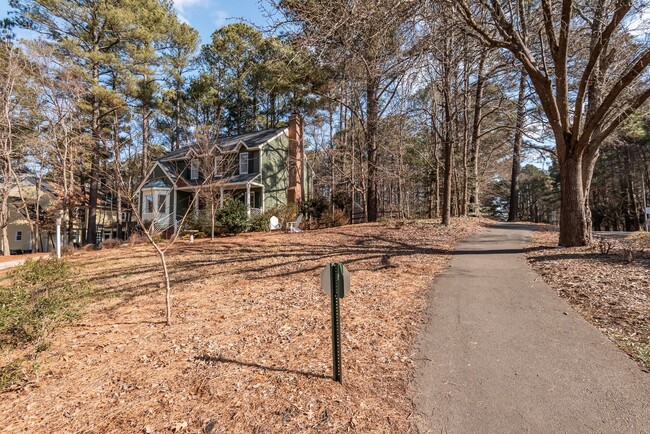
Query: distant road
x,y
11,263
616,235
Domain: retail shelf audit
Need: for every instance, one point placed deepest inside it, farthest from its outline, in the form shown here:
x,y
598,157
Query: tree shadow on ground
x,y
212,360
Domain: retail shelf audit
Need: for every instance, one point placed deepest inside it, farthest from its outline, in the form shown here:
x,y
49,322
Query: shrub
x,y
201,223
138,238
42,295
233,217
260,223
196,235
314,207
112,243
604,246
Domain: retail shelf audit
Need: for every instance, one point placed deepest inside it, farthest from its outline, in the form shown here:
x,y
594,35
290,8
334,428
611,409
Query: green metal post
x,y
336,289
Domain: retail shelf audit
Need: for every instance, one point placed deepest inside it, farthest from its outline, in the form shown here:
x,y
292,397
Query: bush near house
x,y
233,217
261,222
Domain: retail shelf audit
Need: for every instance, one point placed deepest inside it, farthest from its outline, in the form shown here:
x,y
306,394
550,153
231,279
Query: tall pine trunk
x,y
372,119
513,213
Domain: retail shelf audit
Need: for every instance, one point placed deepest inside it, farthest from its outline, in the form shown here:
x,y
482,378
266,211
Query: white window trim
x,y
146,202
21,235
156,192
243,157
194,170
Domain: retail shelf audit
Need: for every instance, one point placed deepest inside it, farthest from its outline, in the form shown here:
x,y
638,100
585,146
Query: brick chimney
x,y
296,153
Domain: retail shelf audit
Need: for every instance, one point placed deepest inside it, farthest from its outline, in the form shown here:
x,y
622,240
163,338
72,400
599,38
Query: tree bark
x,y
91,234
372,118
573,219
476,133
513,212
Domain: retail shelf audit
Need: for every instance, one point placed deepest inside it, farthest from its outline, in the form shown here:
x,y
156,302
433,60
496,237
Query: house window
x,y
217,166
162,198
251,199
243,163
149,204
19,235
194,170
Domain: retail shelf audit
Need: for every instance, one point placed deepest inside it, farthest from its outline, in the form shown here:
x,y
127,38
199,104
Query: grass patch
x,y
642,352
42,295
11,374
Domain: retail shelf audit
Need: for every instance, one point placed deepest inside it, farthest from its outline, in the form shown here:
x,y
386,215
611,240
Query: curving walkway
x,y
502,353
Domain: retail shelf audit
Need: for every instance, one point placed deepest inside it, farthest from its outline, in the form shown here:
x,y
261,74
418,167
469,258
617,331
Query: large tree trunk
x,y
513,213
448,145
372,118
476,133
4,212
91,234
574,230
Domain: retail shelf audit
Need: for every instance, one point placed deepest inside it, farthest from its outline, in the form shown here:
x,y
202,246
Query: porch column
x,y
196,205
220,197
248,199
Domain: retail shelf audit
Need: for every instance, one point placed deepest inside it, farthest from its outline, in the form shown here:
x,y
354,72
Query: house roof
x,y
170,171
157,183
229,143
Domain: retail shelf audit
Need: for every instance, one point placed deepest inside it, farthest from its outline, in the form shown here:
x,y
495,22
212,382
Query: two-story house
x,y
263,169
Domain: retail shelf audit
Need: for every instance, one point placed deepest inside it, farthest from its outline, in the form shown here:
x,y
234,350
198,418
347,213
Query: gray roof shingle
x,y
226,144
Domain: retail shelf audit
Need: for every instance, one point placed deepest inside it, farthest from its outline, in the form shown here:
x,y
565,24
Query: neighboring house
x,y
19,231
107,221
264,169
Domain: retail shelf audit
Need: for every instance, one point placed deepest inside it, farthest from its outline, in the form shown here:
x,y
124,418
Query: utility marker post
x,y
646,209
335,282
58,238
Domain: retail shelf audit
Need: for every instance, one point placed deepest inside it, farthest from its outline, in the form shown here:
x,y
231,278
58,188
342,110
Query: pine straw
x,y
249,350
608,292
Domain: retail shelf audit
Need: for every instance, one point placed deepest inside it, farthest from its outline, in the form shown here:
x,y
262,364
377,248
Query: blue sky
x,y
206,15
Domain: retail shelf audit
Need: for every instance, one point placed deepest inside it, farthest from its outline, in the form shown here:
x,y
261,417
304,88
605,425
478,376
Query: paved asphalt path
x,y
502,353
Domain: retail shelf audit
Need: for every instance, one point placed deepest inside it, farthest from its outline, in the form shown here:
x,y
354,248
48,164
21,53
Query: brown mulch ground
x,y
608,292
249,350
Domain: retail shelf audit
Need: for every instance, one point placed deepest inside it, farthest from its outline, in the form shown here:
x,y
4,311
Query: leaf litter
x,y
250,345
604,288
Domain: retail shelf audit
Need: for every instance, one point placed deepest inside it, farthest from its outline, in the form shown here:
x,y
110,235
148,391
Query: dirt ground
x,y
249,350
608,292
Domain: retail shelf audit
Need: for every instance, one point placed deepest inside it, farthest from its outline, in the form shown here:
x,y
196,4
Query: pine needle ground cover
x,y
249,350
602,285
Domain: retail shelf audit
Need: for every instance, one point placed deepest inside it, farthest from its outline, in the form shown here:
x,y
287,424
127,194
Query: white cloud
x,y
220,18
182,5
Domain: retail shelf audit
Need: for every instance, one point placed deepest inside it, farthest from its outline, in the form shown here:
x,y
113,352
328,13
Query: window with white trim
x,y
19,235
162,198
243,163
217,166
148,204
194,170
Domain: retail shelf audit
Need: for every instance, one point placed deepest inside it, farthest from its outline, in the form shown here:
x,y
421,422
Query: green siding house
x,y
264,169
